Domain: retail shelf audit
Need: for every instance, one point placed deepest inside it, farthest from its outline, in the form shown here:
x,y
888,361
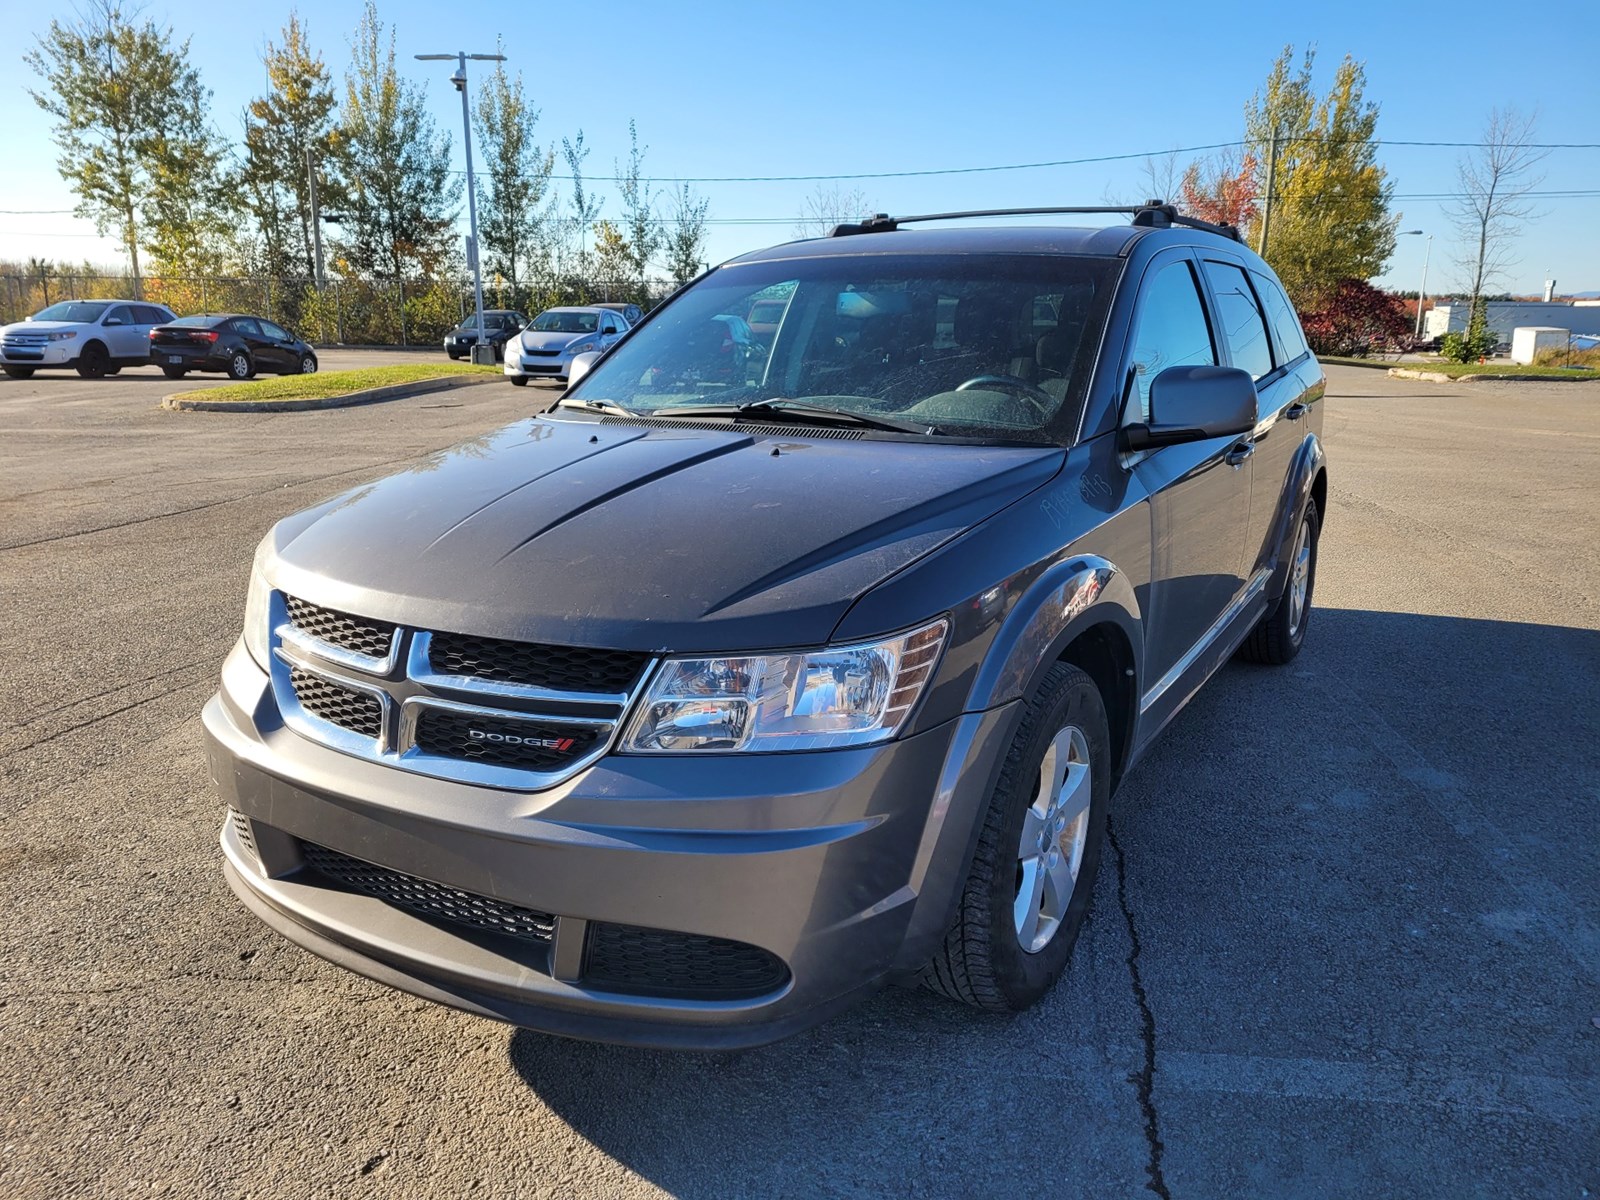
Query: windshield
x,y
72,310
566,322
972,345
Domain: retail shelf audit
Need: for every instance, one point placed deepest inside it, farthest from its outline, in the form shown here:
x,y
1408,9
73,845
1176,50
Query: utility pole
x,y
1423,294
481,352
1272,179
316,219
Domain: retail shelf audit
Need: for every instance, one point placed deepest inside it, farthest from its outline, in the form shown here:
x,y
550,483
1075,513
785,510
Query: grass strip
x,y
326,385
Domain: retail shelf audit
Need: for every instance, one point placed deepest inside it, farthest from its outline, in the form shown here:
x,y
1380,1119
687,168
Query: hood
x,y
42,326
607,534
535,339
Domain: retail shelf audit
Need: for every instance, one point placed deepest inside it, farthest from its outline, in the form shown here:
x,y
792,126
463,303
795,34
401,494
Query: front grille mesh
x,y
243,831
559,668
338,705
628,958
428,899
360,635
440,731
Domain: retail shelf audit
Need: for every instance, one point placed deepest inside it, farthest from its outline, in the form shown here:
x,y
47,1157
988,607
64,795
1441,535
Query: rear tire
x,y
20,372
1001,954
1278,636
174,372
94,362
240,366
519,381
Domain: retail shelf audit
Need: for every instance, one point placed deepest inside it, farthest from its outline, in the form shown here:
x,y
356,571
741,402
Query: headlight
x,y
584,348
63,335
841,696
258,612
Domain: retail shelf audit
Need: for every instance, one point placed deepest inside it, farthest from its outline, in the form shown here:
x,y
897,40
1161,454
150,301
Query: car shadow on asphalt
x,y
1243,870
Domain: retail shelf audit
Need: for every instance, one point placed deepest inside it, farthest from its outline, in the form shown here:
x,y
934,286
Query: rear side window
x,y
1172,330
246,326
1285,325
146,315
1242,323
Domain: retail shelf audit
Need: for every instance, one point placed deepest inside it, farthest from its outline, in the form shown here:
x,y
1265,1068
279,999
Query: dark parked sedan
x,y
229,342
499,327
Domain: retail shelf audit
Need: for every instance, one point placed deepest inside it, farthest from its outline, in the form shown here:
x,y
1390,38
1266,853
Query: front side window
x,y
72,310
120,315
566,322
275,332
1242,323
247,327
979,345
1171,331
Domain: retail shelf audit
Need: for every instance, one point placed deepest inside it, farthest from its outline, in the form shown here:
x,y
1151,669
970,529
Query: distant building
x,y
1506,315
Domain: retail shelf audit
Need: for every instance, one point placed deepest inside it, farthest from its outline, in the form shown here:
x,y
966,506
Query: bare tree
x,y
1494,181
826,207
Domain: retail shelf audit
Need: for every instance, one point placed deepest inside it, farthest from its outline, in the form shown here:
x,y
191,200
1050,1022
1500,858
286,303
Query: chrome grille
x,y
556,668
359,635
508,741
429,899
336,704
487,711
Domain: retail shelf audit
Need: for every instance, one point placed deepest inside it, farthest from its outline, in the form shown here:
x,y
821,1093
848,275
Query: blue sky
x,y
812,89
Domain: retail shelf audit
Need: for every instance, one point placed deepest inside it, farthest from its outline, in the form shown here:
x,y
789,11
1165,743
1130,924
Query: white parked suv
x,y
97,337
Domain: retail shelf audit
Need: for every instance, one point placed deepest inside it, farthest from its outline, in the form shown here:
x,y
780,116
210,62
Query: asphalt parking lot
x,y
1347,941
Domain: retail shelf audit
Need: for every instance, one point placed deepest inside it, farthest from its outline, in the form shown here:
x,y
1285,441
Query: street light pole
x,y
1422,293
460,81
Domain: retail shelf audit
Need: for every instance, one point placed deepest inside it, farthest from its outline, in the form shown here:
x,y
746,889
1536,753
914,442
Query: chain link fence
x,y
351,312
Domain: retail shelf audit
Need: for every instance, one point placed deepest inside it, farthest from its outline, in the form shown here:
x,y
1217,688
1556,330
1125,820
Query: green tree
x,y
402,197
613,261
640,225
513,182
583,210
1325,200
128,108
686,236
295,116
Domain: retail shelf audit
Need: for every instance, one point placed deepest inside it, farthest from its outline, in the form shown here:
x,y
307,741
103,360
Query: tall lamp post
x,y
1422,293
481,351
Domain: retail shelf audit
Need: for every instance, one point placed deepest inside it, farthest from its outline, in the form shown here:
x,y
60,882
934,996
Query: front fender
x,y
1075,595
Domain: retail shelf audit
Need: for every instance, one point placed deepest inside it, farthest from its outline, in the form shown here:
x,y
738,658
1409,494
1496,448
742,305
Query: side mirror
x,y
113,321
580,366
1193,404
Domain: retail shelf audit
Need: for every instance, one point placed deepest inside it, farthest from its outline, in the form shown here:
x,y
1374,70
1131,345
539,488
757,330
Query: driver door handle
x,y
1239,452
1295,411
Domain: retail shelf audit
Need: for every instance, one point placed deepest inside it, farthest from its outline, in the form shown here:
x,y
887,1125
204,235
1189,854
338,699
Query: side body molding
x,y
1071,597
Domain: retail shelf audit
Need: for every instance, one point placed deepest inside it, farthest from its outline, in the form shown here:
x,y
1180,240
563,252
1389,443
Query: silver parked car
x,y
93,337
546,348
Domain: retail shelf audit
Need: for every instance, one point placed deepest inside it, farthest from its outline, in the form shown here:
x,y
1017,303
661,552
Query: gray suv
x,y
740,684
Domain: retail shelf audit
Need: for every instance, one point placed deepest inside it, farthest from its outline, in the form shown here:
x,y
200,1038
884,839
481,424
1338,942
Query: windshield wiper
x,y
798,410
599,406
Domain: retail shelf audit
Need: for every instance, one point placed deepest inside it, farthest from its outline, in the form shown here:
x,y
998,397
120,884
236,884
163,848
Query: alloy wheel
x,y
1299,577
1055,829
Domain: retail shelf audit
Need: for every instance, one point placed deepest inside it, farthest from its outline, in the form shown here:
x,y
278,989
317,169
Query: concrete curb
x,y
1441,377
394,391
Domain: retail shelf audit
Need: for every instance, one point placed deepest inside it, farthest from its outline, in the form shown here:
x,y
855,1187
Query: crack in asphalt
x,y
1143,1079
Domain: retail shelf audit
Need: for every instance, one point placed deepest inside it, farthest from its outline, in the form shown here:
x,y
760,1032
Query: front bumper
x,y
519,362
843,866
48,354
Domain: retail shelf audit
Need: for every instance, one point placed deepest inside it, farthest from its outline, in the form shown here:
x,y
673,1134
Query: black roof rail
x,y
1152,214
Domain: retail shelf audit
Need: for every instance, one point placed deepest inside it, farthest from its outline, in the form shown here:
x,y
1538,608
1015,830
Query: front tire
x,y
1278,636
308,364
518,380
20,372
94,362
1032,874
240,366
